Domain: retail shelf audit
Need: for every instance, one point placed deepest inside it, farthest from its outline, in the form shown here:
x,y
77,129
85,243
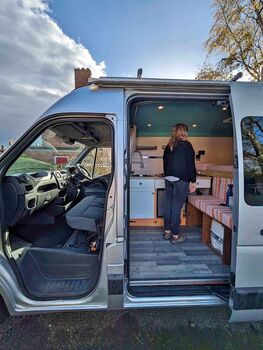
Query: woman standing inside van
x,y
180,177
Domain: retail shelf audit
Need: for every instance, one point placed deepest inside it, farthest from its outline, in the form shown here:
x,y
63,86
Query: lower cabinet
x,y
142,203
147,200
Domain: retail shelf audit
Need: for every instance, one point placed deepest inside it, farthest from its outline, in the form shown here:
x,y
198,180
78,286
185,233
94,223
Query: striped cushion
x,y
201,202
211,204
219,187
221,214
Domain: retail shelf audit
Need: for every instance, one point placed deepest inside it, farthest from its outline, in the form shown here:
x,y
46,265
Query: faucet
x,y
141,161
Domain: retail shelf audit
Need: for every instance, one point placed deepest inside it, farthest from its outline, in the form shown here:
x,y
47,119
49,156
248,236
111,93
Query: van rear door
x,y
246,299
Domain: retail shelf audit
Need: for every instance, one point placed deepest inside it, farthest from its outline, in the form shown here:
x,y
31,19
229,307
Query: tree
x,y
210,72
252,131
236,41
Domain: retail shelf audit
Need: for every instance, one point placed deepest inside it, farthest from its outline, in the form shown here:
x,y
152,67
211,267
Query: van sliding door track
x,y
178,282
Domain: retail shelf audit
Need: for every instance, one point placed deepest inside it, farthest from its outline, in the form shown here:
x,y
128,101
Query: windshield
x,y
48,152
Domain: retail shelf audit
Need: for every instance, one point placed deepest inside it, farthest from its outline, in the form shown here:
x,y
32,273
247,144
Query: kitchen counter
x,y
159,181
147,177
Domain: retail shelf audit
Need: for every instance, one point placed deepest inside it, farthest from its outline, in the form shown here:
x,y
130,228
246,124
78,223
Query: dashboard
x,y
26,193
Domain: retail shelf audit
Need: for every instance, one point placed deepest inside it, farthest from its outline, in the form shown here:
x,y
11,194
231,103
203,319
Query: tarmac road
x,y
184,328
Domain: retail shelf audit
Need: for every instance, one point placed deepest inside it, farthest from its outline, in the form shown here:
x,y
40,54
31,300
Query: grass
x,y
25,164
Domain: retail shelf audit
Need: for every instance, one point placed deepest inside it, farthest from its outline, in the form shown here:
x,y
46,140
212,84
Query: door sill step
x,y
181,282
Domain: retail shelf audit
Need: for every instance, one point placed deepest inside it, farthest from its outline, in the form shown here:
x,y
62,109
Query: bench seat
x,y
211,206
203,209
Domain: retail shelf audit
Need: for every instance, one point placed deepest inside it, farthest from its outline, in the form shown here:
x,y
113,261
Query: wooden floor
x,y
153,258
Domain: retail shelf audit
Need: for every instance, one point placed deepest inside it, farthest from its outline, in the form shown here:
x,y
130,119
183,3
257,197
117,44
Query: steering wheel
x,y
83,172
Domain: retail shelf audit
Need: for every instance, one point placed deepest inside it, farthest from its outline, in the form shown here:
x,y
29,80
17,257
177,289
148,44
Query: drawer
x,y
142,183
203,182
200,183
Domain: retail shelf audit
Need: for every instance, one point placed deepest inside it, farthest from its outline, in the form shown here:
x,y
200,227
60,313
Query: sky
x,y
41,42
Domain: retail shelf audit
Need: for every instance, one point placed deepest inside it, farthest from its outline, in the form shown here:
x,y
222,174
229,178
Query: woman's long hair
x,y
180,133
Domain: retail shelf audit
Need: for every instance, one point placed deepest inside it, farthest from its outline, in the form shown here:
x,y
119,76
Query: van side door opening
x,y
205,258
55,213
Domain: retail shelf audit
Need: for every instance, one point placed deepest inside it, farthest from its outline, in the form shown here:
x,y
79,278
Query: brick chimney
x,y
82,76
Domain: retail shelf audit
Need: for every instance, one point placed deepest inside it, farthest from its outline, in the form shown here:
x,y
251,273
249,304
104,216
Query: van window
x,y
48,152
252,136
102,158
88,161
103,162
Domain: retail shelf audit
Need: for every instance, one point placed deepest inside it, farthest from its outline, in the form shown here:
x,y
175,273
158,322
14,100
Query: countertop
x,y
156,177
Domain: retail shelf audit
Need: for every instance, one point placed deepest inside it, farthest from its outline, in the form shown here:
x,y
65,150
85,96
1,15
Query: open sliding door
x,y
246,301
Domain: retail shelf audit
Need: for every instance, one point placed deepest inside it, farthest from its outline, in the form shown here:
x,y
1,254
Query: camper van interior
x,y
55,199
204,258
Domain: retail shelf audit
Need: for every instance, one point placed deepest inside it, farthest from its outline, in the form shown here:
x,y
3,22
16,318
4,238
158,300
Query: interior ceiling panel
x,y
88,133
206,115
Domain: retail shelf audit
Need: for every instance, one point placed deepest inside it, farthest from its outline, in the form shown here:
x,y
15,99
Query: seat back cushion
x,y
219,187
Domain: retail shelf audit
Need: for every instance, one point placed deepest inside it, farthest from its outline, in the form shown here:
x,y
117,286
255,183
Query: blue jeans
x,y
175,195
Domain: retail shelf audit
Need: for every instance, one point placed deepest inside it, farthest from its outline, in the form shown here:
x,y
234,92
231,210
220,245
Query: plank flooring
x,y
151,257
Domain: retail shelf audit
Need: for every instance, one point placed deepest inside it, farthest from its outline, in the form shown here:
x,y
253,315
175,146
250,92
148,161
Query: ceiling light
x,y
149,125
223,103
194,125
160,107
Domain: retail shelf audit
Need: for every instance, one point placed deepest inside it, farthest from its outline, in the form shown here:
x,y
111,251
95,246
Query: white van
x,y
82,194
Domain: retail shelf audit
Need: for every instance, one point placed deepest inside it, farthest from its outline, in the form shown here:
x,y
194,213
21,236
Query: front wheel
x,y
4,314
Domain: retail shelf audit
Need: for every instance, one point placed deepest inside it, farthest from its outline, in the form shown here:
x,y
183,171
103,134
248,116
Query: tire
x,y
4,314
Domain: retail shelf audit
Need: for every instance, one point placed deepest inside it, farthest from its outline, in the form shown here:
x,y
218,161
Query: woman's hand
x,y
192,187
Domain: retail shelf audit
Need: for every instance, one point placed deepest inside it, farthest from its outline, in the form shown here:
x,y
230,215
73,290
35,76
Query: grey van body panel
x,y
107,104
247,100
249,262
109,99
86,100
131,302
18,304
246,315
247,253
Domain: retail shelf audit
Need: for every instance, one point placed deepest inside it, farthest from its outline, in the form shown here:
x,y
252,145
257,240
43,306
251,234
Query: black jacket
x,y
180,162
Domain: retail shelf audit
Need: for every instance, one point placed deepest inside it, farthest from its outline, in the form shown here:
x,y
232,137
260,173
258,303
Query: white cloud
x,y
36,63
